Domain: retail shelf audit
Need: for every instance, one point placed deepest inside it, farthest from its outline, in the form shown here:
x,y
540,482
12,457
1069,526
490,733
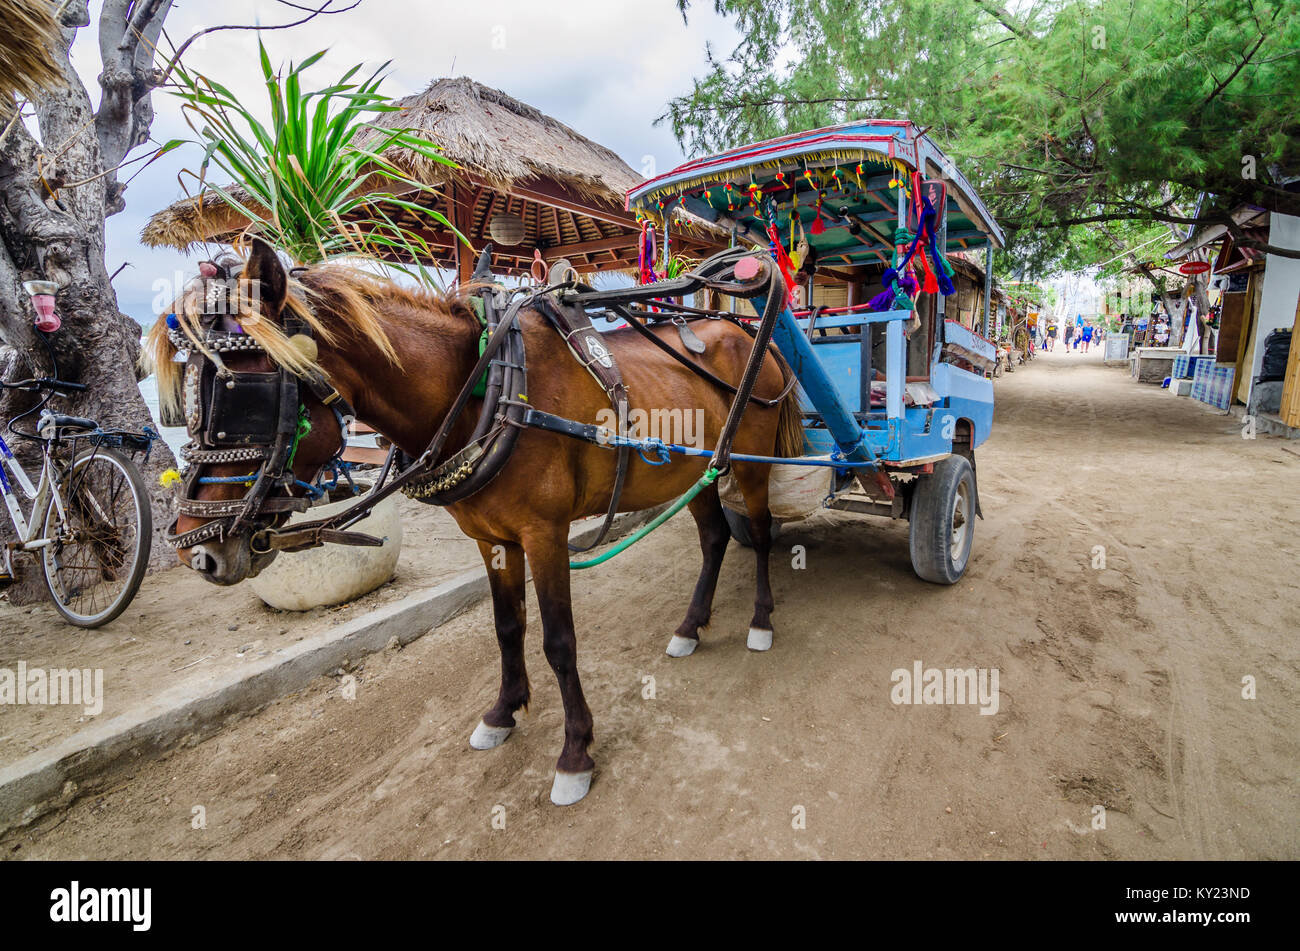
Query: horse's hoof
x,y
759,639
569,788
487,737
682,646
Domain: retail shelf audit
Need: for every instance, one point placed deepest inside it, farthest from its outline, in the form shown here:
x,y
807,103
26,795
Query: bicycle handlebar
x,y
44,383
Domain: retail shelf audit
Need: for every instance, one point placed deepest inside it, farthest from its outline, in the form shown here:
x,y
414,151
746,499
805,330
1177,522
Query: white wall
x,y
1277,302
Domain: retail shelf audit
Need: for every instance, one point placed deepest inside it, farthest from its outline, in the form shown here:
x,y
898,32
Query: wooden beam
x,y
557,196
839,275
606,244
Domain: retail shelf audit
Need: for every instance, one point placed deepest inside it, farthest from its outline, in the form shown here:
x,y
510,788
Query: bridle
x,y
233,416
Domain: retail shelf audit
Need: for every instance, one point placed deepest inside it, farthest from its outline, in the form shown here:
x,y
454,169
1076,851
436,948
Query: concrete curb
x,y
54,777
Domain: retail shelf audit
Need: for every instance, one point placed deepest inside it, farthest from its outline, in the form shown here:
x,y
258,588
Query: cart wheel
x,y
943,521
739,525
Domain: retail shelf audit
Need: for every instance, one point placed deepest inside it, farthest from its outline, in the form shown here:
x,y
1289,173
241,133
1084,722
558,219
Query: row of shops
x,y
1231,341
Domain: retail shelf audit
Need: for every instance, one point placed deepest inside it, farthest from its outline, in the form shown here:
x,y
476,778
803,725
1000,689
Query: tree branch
x,y
746,103
1233,75
323,9
1002,16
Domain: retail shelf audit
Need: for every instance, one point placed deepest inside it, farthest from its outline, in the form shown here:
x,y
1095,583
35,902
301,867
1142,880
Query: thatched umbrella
x,y
29,34
560,191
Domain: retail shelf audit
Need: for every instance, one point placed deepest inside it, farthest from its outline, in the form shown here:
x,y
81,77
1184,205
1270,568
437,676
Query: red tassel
x,y
931,284
817,226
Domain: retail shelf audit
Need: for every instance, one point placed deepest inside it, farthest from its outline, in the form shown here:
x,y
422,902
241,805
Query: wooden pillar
x,y
461,218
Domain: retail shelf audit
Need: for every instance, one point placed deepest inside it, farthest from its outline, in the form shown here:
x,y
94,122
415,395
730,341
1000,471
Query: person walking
x,y
1050,341
1069,336
1086,337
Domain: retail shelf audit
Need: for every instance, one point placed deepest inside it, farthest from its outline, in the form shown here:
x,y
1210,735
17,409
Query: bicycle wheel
x,y
100,544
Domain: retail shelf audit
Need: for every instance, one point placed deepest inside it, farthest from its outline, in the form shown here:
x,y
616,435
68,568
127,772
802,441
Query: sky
x,y
607,68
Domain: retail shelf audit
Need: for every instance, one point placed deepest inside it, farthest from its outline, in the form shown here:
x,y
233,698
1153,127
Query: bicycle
x,y
90,522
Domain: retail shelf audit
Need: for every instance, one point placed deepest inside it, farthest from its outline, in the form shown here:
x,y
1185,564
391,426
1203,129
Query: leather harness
x,y
500,375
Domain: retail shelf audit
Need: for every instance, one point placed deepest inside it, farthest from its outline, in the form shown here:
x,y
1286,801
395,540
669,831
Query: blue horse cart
x,y
862,218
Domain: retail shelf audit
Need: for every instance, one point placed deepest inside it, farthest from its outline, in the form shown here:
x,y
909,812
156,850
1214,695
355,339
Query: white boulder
x,y
332,574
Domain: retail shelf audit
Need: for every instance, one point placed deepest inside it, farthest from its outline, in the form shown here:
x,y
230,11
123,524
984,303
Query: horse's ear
x,y
264,267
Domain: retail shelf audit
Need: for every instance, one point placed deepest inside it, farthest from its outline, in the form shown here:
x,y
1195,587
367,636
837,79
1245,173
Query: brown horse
x,y
400,357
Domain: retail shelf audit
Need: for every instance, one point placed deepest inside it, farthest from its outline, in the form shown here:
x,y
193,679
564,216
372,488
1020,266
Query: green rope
x,y
704,482
304,427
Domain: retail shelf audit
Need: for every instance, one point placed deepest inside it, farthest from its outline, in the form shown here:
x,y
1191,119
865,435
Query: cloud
x,y
605,67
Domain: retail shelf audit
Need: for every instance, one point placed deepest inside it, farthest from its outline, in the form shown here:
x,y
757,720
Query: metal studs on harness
x,y
241,416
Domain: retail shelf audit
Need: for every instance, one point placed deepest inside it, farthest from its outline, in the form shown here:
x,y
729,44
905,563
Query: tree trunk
x,y
55,195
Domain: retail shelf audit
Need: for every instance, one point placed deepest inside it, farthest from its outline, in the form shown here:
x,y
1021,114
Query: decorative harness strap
x,y
586,345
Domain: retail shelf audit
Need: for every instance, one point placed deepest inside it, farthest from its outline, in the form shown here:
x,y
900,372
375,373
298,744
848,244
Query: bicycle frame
x,y
37,493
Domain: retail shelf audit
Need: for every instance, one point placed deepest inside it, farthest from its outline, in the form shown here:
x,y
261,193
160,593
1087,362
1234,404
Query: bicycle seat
x,y
74,422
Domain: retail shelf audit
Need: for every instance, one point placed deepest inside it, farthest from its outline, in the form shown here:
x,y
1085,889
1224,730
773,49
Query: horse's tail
x,y
790,440
789,428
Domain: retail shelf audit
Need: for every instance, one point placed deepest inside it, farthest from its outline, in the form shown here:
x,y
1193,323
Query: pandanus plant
x,y
320,180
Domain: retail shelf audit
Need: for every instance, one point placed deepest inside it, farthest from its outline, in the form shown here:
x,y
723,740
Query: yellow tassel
x,y
169,478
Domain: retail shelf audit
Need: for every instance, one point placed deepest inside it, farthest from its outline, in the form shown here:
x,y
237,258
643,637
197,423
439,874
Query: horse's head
x,y
239,356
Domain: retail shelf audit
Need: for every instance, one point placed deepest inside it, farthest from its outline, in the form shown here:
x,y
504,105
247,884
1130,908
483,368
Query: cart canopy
x,y
847,176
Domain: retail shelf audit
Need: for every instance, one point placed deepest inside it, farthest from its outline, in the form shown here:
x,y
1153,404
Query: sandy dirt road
x,y
1119,688
180,631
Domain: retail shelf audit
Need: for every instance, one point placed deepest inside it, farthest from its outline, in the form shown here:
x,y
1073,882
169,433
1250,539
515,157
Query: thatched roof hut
x,y
26,62
567,190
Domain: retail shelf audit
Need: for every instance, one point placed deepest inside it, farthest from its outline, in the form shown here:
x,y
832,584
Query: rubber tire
x,y
739,525
931,516
145,541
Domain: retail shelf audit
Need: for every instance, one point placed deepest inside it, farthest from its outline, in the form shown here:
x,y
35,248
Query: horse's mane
x,y
335,299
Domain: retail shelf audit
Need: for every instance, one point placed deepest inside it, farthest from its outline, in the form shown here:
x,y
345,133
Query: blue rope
x,y
663,457
312,491
663,449
228,480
